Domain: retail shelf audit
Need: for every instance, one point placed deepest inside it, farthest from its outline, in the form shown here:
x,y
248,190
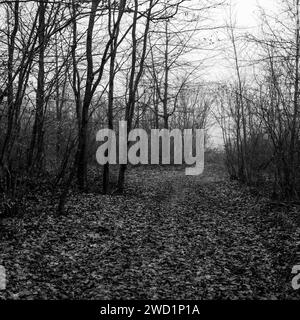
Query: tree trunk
x,y
10,84
134,79
37,139
166,82
82,141
113,53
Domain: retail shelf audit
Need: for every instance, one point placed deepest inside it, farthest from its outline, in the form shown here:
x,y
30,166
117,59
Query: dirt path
x,y
169,237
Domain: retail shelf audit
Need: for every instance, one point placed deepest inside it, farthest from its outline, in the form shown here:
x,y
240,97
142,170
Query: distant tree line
x,y
259,111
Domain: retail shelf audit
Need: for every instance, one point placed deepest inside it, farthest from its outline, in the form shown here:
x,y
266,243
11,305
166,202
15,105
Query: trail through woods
x,y
169,237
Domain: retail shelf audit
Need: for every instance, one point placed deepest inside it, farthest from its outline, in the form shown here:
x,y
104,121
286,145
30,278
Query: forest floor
x,y
168,237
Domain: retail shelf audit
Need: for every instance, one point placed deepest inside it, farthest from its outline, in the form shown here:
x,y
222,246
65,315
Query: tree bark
x,y
83,130
37,139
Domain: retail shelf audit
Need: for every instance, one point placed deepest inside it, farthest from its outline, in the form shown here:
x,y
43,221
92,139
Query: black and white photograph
x,y
149,150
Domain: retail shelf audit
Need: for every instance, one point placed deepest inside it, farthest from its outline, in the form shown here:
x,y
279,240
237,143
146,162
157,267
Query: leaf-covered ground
x,y
169,237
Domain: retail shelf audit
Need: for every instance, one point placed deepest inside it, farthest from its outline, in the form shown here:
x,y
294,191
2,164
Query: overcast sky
x,y
246,10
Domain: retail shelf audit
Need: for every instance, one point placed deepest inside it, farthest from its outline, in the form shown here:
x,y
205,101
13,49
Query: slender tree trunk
x,y
10,85
82,140
75,76
166,81
37,139
134,79
155,102
240,105
113,52
295,125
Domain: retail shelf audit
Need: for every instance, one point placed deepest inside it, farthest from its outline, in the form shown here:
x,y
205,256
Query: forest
x,y
71,228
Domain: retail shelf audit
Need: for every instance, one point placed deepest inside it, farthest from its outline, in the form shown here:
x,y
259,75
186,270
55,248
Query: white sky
x,y
246,10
